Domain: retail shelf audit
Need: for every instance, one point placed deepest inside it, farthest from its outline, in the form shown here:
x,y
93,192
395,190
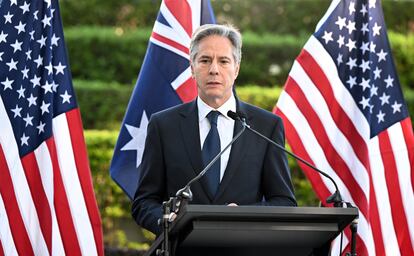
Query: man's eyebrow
x,y
204,57
210,57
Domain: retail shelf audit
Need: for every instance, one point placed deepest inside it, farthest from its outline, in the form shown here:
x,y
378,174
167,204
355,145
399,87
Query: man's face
x,y
215,70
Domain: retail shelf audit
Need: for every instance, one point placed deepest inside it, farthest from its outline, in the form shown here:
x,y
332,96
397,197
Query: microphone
x,y
335,198
185,192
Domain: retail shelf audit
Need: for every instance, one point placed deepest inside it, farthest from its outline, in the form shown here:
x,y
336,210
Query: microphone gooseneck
x,y
335,198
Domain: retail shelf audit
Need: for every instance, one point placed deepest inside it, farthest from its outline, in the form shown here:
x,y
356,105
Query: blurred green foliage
x,y
106,53
403,52
125,13
102,104
113,203
299,17
262,16
111,200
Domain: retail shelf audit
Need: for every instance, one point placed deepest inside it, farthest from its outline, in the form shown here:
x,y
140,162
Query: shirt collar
x,y
204,109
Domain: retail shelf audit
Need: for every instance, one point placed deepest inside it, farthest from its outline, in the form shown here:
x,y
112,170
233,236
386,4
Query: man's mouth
x,y
213,83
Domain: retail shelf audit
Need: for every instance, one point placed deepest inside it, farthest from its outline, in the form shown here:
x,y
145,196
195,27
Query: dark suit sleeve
x,y
276,181
146,207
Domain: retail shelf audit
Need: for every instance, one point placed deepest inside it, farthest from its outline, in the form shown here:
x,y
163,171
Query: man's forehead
x,y
215,41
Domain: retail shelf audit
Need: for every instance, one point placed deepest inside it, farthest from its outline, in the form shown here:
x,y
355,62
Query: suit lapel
x,y
238,149
190,133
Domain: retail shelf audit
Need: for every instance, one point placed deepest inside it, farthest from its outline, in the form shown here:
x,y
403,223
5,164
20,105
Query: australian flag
x,y
164,81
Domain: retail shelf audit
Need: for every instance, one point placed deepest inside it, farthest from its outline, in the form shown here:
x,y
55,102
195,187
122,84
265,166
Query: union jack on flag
x,y
344,111
164,81
47,202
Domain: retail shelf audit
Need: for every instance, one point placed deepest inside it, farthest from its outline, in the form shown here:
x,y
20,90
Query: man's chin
x,y
214,96
214,100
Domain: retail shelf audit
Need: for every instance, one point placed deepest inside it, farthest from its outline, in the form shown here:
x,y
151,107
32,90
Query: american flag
x,y
47,203
344,111
164,81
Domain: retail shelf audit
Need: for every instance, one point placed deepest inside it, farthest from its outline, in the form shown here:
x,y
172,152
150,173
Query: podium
x,y
255,230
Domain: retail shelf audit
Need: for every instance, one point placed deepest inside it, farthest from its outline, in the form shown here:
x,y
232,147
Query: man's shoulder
x,y
174,111
253,111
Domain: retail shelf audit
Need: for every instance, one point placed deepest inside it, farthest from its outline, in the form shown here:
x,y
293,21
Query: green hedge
x,y
115,54
267,59
106,54
403,52
112,202
103,104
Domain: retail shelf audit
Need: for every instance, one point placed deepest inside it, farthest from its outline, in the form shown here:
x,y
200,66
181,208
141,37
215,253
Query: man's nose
x,y
214,68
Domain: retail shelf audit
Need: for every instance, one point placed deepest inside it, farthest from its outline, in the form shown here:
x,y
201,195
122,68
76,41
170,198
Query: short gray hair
x,y
228,31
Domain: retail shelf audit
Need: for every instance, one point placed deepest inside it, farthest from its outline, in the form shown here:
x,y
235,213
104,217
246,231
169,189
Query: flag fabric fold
x,y
164,81
344,111
47,202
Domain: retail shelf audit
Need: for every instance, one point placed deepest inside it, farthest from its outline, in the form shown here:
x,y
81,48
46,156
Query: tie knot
x,y
212,117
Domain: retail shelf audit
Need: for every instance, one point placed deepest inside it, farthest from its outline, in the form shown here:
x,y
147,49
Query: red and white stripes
x,y
184,17
47,204
324,125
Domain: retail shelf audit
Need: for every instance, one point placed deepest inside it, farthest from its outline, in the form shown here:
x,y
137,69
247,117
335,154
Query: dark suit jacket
x,y
257,173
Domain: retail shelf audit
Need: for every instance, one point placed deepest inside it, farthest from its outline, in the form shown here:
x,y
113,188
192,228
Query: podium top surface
x,y
294,229
341,216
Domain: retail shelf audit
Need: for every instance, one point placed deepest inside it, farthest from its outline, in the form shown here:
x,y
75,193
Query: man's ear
x,y
192,69
237,70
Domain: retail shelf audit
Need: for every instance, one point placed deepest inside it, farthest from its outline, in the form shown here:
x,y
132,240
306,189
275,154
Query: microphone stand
x,y
354,229
335,198
182,197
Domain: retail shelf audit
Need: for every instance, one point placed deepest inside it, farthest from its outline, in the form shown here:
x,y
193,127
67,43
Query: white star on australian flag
x,y
137,142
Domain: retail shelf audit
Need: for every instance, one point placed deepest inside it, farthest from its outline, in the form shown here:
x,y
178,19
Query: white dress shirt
x,y
225,127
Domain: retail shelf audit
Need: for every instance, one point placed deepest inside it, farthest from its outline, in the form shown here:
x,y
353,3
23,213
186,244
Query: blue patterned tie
x,y
211,148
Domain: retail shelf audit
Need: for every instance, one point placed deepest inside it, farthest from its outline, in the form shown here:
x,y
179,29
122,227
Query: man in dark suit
x,y
183,139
